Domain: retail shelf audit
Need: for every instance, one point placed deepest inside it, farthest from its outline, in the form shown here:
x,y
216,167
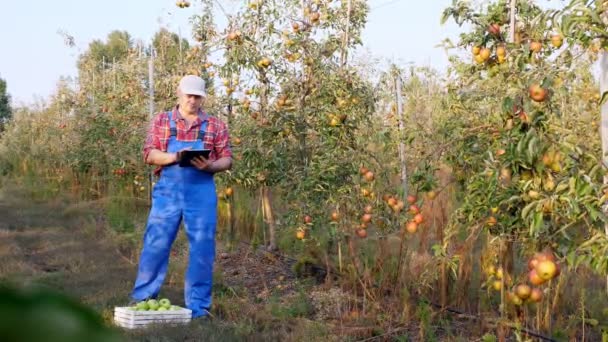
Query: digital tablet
x,y
188,155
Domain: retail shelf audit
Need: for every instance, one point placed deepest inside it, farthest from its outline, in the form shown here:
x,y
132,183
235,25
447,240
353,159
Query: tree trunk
x,y
269,218
401,128
150,115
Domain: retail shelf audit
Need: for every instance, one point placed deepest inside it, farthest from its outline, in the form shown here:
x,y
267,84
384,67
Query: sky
x,y
35,55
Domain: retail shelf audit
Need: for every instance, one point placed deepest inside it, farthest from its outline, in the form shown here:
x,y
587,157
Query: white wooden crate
x,y
131,319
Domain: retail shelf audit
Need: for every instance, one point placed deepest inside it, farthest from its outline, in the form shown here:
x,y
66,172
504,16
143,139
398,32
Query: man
x,y
186,193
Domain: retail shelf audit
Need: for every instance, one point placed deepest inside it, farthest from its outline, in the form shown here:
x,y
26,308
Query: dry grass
x,y
70,246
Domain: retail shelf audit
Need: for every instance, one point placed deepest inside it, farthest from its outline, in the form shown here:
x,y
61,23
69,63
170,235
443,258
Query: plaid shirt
x,y
216,138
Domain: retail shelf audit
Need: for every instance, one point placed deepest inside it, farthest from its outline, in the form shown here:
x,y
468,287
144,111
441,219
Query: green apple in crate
x,y
165,303
153,304
142,306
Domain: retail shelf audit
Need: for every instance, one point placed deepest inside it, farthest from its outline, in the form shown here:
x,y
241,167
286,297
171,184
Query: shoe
x,y
206,316
133,302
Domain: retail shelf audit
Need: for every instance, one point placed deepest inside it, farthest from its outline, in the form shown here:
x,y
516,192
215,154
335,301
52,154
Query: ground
x,y
66,245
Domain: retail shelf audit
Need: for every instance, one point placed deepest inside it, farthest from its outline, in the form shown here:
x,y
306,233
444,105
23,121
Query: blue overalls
x,y
188,193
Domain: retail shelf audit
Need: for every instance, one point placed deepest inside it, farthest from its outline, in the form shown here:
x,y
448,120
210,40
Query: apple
x,y
165,303
142,306
228,192
499,273
532,263
264,62
363,170
534,278
491,270
162,308
523,291
485,54
536,295
476,49
153,304
535,46
538,93
494,29
501,51
514,299
392,201
505,174
557,40
418,218
232,36
175,308
546,269
431,195
411,227
411,199
547,254
335,216
307,219
414,209
367,218
399,206
369,176
362,233
497,285
300,235
491,221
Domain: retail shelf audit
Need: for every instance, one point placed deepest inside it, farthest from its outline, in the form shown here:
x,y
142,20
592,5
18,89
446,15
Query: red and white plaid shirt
x,y
216,138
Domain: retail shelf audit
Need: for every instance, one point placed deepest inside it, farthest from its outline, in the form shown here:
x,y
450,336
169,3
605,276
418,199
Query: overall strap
x,y
173,128
202,131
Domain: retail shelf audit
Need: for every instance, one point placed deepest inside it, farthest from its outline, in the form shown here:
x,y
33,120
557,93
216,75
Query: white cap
x,y
192,85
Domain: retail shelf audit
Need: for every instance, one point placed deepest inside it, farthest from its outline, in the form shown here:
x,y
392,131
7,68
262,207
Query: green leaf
x,y
537,224
507,105
445,16
572,184
604,98
526,211
592,322
561,187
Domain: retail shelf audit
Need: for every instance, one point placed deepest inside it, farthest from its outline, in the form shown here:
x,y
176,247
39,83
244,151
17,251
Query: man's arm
x,y
160,158
222,164
203,164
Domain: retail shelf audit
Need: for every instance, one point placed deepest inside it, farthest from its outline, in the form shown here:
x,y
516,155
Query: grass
x,y
89,249
65,247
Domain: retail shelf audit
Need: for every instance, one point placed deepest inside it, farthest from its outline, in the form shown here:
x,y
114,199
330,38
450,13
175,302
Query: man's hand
x,y
202,163
180,153
160,158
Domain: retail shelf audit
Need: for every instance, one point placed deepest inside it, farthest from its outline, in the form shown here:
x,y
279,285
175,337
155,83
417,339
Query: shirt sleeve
x,y
222,141
153,137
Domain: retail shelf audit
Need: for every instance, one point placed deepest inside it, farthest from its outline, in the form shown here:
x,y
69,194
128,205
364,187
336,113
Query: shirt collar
x,y
202,116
